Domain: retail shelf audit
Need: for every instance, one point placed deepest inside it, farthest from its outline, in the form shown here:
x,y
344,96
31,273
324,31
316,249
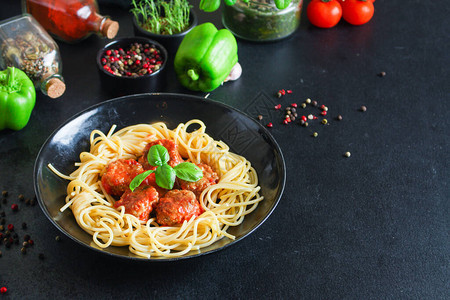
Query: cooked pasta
x,y
224,204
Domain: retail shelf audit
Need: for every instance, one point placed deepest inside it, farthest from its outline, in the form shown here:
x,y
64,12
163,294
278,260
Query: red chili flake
x,y
270,125
289,91
314,118
10,227
285,121
278,106
294,104
322,106
323,113
30,242
14,207
304,118
3,289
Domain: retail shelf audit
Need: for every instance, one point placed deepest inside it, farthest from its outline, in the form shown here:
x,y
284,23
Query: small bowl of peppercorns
x,y
131,65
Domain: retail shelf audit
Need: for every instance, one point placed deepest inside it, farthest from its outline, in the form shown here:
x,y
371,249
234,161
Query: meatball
x,y
140,202
175,157
151,181
209,178
177,206
119,174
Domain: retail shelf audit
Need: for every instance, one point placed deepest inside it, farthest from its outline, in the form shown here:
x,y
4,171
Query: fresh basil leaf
x,y
188,171
165,176
139,179
158,155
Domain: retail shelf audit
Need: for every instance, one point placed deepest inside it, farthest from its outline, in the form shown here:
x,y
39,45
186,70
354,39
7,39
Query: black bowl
x,y
244,135
171,42
117,86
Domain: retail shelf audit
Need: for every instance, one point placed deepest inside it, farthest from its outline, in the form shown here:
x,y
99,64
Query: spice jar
x,y
24,44
71,20
261,20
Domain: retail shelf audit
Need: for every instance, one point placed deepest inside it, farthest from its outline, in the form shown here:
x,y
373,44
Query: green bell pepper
x,y
209,5
17,98
205,57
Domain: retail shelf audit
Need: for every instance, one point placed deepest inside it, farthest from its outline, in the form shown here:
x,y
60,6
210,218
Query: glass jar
x,y
71,20
261,20
24,44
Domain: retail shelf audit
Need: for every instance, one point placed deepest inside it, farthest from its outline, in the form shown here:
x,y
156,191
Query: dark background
x,y
372,226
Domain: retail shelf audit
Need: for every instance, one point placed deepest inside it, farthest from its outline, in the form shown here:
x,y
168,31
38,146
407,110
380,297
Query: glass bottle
x,y
71,20
24,44
261,20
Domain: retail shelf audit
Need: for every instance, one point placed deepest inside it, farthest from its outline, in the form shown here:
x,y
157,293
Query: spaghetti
x,y
224,204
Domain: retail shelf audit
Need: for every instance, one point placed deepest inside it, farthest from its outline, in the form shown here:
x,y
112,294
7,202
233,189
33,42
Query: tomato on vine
x,y
357,12
324,13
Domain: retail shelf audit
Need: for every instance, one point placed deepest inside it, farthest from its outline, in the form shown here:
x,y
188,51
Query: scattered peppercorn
x,y
347,154
26,237
303,105
4,200
324,121
260,117
57,238
21,197
23,250
315,134
0,253
41,256
3,290
289,91
306,124
339,118
363,108
25,244
308,101
314,103
24,225
294,104
310,117
278,106
14,207
324,113
5,193
382,74
270,125
31,242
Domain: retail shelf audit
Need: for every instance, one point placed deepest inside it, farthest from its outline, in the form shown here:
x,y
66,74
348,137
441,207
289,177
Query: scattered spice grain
x,y
347,154
363,108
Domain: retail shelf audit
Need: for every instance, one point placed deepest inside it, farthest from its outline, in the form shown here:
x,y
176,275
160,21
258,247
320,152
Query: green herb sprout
x,y
162,17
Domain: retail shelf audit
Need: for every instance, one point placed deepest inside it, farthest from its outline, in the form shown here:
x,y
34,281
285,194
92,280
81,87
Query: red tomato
x,y
357,12
324,13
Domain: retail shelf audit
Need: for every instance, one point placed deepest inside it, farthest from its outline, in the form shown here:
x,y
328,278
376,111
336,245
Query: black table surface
x,y
371,226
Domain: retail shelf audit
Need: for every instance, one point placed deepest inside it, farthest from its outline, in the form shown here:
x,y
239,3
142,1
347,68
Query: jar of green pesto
x,y
261,20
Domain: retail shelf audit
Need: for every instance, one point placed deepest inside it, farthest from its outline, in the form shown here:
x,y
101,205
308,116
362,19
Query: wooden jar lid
x,y
110,28
55,88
